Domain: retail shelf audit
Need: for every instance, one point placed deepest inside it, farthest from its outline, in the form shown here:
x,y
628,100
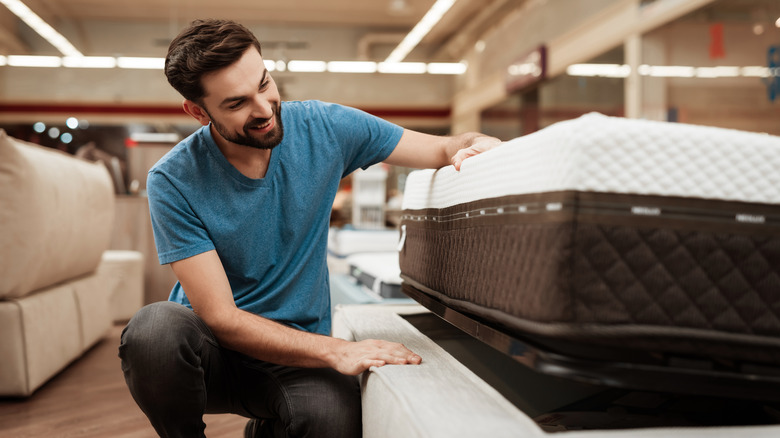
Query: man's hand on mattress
x,y
480,144
353,358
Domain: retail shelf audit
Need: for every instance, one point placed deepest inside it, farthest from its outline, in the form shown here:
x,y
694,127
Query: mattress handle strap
x,y
402,241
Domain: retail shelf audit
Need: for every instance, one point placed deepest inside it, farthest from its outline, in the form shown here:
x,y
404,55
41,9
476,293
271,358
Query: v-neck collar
x,y
235,173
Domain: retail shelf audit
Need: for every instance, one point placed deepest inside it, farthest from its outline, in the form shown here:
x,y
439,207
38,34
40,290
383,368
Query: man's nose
x,y
262,108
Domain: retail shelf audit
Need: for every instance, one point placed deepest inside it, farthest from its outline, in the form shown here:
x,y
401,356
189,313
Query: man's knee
x,y
162,366
335,410
158,334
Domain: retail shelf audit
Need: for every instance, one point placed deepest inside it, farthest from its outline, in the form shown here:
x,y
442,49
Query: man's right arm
x,y
204,280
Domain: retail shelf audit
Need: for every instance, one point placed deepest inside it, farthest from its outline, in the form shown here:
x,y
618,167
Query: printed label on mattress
x,y
646,211
675,212
751,218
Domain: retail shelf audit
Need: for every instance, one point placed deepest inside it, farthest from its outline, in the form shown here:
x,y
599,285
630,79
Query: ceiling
x,y
382,13
736,11
463,24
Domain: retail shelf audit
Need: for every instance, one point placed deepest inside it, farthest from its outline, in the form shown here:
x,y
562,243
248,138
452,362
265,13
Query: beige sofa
x,y
56,218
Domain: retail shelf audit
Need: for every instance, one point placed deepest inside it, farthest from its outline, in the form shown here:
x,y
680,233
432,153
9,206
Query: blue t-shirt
x,y
270,233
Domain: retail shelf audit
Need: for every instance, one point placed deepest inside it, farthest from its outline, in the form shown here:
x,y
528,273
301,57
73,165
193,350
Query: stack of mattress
x,y
343,243
379,272
602,235
363,266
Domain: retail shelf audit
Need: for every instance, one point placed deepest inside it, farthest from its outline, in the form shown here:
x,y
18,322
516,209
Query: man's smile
x,y
262,126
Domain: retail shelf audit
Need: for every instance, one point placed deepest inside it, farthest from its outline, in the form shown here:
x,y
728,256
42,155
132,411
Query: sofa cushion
x,y
92,298
56,216
124,271
39,335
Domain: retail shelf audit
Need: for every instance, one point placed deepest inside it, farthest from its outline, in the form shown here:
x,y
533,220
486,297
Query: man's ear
x,y
196,111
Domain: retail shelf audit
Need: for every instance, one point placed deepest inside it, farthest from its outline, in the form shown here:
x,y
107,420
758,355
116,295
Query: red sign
x,y
717,50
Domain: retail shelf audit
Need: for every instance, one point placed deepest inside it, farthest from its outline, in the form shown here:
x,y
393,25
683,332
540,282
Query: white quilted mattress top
x,y
344,242
610,154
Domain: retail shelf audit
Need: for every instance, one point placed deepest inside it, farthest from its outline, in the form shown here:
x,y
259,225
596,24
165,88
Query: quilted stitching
x,y
652,157
611,154
678,278
519,269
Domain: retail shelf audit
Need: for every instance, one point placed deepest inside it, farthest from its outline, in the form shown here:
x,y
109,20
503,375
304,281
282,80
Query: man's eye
x,y
236,105
264,85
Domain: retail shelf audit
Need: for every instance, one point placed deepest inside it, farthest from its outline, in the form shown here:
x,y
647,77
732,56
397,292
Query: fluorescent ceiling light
x,y
307,66
155,137
601,70
141,63
447,68
755,71
402,67
34,61
670,71
667,71
89,61
718,72
352,67
41,27
420,30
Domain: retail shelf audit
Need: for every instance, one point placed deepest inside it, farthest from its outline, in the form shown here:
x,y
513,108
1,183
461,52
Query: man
x,y
240,211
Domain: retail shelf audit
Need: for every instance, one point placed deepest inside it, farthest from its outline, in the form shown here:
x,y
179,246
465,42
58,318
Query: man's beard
x,y
269,140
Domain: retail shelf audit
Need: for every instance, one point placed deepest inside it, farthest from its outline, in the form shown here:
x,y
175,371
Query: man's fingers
x,y
411,359
457,159
393,353
402,360
368,363
481,145
461,155
357,357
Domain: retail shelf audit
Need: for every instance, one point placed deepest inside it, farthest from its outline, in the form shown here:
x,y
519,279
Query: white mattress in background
x,y
609,154
344,242
383,267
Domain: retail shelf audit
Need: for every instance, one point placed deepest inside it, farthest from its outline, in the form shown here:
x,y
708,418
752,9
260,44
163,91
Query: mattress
x,y
379,272
608,237
343,242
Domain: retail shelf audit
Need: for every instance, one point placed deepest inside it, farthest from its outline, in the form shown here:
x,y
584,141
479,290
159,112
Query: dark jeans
x,y
176,372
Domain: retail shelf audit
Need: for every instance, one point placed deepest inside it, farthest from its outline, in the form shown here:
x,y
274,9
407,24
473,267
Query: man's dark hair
x,y
203,47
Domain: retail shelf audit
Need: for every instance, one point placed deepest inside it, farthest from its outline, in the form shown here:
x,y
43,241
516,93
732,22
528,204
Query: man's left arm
x,y
425,151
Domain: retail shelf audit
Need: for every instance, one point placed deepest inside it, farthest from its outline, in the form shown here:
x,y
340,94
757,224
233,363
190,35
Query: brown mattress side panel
x,y
677,278
520,269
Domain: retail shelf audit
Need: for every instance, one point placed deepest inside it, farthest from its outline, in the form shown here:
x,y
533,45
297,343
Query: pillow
x,y
56,216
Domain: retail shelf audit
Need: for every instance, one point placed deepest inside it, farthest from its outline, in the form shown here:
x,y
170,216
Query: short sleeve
x,y
178,232
366,139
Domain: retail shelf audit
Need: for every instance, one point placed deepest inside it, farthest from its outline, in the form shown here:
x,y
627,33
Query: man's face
x,y
243,103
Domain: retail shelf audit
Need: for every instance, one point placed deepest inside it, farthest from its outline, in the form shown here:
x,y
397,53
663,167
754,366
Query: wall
x,y
534,23
738,103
